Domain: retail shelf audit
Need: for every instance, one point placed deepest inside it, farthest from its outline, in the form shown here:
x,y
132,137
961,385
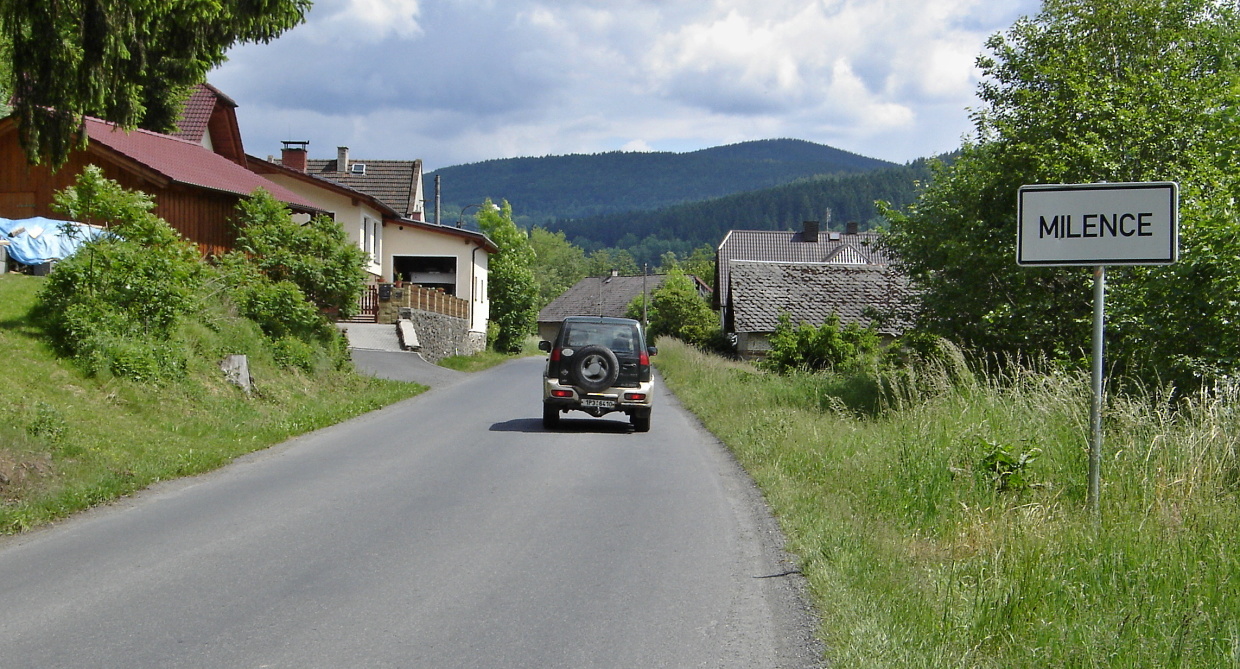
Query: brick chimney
x,y
342,159
809,232
293,155
850,228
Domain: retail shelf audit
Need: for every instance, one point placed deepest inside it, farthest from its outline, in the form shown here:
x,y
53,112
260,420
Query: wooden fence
x,y
423,299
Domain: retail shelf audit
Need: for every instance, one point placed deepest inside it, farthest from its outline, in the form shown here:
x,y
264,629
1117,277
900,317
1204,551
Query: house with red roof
x,y
196,177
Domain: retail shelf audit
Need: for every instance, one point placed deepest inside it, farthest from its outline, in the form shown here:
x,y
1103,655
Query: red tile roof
x,y
187,162
197,111
195,115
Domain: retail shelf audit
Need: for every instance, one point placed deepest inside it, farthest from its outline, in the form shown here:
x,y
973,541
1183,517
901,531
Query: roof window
x,y
357,168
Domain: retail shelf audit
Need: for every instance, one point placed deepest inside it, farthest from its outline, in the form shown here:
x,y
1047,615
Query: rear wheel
x,y
551,417
641,420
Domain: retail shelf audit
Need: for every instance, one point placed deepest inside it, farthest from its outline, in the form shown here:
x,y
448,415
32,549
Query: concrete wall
x,y
442,336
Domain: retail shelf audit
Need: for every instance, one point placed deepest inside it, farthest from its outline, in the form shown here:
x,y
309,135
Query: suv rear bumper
x,y
566,397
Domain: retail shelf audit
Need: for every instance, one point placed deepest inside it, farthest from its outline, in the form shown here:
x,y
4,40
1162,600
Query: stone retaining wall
x,y
441,336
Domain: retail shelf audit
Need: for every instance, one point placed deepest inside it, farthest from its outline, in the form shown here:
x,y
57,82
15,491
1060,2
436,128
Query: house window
x,y
370,238
377,236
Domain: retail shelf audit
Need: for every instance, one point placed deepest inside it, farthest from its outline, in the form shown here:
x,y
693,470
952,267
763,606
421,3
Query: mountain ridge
x,y
575,186
681,228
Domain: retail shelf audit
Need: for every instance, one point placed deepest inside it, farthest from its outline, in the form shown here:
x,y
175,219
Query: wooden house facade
x,y
195,189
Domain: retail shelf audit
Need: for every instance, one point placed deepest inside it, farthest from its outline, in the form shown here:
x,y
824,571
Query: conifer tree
x,y
131,63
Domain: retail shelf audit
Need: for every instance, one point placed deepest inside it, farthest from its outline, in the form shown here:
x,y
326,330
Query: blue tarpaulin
x,y
34,241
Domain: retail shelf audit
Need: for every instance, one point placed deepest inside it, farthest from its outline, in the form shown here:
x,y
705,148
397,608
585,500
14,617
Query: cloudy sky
x,y
459,81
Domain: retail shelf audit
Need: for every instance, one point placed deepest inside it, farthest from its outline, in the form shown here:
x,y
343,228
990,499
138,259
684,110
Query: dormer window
x,y
357,168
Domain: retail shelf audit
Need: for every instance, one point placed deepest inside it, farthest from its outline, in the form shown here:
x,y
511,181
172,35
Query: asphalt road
x,y
449,530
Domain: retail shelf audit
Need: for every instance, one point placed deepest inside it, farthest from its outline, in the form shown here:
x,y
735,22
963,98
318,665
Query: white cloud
x,y
730,63
637,145
468,80
369,19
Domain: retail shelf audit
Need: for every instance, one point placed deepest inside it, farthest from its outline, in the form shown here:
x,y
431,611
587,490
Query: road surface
x,y
449,530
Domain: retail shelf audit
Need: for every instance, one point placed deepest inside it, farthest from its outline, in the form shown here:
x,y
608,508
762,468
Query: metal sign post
x,y
1095,410
1097,225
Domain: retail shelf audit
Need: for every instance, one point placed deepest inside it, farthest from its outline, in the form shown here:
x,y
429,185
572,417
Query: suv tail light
x,y
555,354
644,359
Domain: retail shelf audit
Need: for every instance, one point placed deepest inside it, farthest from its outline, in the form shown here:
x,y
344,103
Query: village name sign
x,y
1098,224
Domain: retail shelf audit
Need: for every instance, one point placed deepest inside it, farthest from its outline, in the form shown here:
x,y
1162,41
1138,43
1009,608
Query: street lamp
x,y
460,221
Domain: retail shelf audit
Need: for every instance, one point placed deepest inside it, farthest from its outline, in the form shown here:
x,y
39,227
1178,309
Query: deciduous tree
x,y
512,287
677,310
558,264
1090,91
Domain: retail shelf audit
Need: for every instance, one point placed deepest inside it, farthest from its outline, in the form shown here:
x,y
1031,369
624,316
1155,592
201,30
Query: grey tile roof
x,y
811,292
393,182
594,296
785,246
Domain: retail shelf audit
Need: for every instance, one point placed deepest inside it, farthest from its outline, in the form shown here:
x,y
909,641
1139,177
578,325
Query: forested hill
x,y
577,186
685,227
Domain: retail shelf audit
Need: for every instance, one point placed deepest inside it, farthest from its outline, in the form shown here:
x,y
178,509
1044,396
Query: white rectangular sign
x,y
1098,224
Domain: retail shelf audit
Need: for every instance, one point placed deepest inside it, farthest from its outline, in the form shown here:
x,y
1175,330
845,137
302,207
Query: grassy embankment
x,y
68,442
916,559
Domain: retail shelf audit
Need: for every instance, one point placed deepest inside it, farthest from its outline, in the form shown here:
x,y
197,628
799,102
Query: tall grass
x,y
69,441
919,556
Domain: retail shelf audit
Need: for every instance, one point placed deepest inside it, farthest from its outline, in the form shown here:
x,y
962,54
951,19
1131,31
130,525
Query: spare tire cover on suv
x,y
594,368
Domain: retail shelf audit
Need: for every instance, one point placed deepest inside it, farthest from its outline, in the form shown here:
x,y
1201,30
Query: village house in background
x,y
601,296
595,296
809,275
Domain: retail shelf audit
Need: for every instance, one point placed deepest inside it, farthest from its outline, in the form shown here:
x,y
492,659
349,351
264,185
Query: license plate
x,y
601,402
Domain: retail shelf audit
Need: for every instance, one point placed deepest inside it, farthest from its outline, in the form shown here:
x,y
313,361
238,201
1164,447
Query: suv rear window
x,y
620,338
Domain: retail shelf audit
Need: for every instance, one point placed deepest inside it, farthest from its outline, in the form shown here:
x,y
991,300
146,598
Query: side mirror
x,y
652,350
544,346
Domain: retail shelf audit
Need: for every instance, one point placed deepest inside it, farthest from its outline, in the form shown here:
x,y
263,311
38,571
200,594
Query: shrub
x,y
118,304
315,257
107,303
292,352
806,347
677,310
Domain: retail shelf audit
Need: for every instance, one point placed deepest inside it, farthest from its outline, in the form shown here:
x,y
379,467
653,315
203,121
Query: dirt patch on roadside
x,y
17,470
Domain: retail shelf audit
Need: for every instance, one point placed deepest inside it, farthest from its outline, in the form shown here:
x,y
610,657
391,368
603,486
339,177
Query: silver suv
x,y
598,365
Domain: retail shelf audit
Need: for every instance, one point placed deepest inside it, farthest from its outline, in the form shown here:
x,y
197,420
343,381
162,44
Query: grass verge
x,y
68,441
489,358
923,550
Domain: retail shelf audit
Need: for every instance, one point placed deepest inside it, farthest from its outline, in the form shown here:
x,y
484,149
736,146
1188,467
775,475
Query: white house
x,y
386,222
